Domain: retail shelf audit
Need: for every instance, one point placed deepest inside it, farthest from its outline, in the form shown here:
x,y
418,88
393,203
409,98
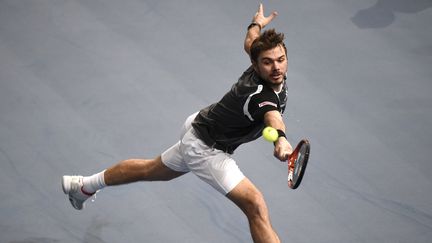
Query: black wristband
x,y
281,133
254,24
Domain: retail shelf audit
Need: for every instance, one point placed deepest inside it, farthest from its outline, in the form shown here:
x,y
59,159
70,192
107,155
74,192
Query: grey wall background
x,y
84,84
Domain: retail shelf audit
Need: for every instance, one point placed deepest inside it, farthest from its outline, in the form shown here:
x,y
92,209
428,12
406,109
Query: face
x,y
272,66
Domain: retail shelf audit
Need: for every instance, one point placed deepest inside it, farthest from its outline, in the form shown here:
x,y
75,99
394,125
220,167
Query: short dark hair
x,y
269,39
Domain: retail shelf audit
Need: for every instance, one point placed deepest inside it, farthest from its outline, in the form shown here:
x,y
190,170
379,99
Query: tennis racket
x,y
297,163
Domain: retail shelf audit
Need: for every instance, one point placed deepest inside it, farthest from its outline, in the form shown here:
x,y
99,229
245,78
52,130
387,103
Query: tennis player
x,y
210,136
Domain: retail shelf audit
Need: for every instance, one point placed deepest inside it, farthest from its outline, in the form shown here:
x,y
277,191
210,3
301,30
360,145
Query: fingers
x,y
270,18
261,19
282,150
273,15
281,155
261,9
285,156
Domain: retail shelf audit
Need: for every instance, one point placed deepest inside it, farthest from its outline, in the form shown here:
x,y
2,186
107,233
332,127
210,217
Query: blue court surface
x,y
87,83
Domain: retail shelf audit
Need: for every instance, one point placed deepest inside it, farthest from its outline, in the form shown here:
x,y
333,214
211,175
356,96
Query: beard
x,y
272,82
273,79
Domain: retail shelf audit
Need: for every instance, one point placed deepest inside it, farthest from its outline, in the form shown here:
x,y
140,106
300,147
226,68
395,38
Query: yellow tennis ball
x,y
270,134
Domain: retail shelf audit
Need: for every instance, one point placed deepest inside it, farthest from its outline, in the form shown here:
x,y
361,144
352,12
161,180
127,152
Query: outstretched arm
x,y
259,21
282,147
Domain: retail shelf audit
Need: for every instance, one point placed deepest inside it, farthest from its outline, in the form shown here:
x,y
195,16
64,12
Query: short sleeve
x,y
261,103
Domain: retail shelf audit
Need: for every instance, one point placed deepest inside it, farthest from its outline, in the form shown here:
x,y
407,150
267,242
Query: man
x,y
211,136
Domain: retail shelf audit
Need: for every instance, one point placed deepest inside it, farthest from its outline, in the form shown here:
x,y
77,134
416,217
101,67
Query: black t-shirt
x,y
239,116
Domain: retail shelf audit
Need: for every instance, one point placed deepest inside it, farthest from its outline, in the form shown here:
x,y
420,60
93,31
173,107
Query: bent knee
x,y
254,206
249,199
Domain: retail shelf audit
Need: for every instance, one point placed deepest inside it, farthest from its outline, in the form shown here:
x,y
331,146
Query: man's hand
x,y
282,149
254,32
260,19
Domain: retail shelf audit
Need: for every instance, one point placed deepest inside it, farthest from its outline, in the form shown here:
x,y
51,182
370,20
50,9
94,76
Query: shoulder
x,y
248,82
249,76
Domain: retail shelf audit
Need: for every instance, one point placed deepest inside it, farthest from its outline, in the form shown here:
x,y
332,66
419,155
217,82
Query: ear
x,y
255,66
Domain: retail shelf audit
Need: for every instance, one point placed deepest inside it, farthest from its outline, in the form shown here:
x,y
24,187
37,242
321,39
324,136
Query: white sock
x,y
94,182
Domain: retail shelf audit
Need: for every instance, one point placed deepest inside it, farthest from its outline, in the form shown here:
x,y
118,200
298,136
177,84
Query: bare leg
x,y
133,170
79,188
250,200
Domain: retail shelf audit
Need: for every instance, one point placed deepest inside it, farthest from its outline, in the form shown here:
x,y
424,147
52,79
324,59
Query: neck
x,y
277,87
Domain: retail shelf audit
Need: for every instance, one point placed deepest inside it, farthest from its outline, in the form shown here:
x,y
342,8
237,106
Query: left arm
x,y
282,147
261,21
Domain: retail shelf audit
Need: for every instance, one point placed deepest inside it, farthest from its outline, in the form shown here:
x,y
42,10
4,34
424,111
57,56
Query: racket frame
x,y
291,164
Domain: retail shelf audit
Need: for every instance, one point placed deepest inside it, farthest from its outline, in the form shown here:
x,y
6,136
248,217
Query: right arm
x,y
282,147
261,21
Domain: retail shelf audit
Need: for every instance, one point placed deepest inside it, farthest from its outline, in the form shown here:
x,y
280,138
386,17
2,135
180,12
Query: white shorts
x,y
211,165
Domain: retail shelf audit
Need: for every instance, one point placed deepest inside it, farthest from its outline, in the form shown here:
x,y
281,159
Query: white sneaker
x,y
73,186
